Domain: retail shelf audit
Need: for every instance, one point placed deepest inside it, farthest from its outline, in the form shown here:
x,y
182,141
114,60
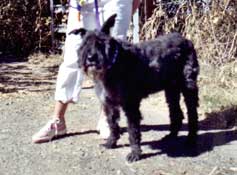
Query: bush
x,y
20,25
212,28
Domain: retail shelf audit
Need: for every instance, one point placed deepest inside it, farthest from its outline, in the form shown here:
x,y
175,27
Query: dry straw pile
x,y
212,28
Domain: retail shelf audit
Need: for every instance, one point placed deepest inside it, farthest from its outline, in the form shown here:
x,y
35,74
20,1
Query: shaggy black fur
x,y
125,73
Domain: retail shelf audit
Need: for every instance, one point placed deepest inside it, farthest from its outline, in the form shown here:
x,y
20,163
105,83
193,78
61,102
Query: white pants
x,y
70,77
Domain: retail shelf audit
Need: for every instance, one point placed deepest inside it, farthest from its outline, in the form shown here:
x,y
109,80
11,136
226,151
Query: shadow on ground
x,y
36,75
219,128
216,130
11,59
23,76
73,134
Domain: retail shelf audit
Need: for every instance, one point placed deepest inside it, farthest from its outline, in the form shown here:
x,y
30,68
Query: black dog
x,y
125,73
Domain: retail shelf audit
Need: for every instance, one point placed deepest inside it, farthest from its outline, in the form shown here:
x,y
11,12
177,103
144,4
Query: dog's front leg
x,y
134,119
112,114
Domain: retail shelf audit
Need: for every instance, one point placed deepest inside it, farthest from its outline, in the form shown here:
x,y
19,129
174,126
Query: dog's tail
x,y
191,67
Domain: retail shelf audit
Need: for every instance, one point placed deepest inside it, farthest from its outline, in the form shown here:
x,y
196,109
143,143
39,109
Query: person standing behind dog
x,y
70,77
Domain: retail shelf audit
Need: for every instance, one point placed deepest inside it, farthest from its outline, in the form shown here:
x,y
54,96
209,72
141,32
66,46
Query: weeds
x,y
213,30
218,86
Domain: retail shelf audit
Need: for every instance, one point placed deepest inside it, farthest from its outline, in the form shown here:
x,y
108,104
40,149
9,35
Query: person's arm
x,y
135,6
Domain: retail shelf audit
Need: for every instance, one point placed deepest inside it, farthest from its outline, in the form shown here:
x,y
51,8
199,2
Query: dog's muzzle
x,y
92,68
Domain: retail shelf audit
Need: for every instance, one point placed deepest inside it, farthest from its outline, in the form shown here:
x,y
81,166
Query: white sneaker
x,y
103,128
52,129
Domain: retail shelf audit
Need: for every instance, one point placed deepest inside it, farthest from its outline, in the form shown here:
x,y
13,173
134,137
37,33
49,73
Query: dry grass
x,y
218,86
213,32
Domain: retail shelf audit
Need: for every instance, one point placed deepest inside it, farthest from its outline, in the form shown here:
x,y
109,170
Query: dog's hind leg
x,y
112,113
175,113
191,101
190,92
134,130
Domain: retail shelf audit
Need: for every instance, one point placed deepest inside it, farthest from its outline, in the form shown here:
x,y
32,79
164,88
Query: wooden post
x,y
148,7
136,27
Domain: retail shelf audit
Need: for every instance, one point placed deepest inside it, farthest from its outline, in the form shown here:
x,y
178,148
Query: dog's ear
x,y
109,23
80,31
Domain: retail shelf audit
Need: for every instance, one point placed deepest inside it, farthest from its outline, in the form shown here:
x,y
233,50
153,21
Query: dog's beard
x,y
94,71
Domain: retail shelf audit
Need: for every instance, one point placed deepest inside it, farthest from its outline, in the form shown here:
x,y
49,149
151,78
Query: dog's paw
x,y
134,156
109,144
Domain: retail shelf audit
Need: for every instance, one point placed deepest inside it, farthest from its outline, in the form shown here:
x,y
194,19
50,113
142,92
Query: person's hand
x,y
81,2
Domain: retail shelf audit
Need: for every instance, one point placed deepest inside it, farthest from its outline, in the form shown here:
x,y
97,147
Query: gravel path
x,y
24,111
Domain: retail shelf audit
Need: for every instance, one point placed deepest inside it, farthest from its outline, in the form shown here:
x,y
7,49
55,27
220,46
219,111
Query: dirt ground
x,y
26,101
